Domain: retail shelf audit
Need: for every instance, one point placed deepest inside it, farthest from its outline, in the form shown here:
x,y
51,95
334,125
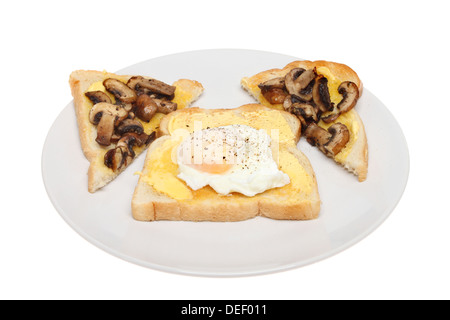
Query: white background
x,y
398,48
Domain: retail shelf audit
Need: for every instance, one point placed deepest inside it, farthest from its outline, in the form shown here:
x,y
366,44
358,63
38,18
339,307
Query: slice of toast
x,y
299,200
82,81
354,157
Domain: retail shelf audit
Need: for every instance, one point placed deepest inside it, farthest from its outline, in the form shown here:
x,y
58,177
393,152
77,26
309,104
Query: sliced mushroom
x,y
98,96
305,110
146,107
317,136
165,106
291,85
303,122
133,82
130,125
274,95
115,137
273,90
321,95
272,83
151,137
143,138
131,115
331,116
151,85
127,106
115,158
127,143
106,116
350,93
297,82
287,102
120,90
339,139
123,153
330,142
291,99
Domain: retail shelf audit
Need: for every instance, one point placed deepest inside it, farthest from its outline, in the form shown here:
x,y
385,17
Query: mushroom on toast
x,y
321,95
98,96
123,153
274,90
147,86
165,106
106,116
130,125
120,90
146,107
330,141
297,82
350,93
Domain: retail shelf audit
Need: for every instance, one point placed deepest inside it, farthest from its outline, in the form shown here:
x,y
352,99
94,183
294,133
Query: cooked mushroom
x,y
274,95
115,158
339,139
306,110
273,90
165,106
143,138
115,137
330,142
331,116
106,116
287,102
133,82
130,125
292,98
151,85
321,95
120,90
297,82
300,107
127,143
98,96
146,107
350,93
303,122
127,106
123,153
317,136
150,138
272,83
131,115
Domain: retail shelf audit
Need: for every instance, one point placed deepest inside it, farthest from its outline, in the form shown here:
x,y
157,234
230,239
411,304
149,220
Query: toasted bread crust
x,y
150,205
80,81
357,160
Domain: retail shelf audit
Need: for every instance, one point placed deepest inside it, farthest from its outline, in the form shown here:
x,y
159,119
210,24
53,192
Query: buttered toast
x,y
323,95
118,116
168,189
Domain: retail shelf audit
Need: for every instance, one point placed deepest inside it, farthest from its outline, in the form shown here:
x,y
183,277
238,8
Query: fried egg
x,y
234,158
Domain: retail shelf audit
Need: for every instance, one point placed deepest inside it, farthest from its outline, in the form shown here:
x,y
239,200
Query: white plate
x,y
255,246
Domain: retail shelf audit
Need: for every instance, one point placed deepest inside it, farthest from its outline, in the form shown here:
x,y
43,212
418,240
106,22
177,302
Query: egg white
x,y
246,152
